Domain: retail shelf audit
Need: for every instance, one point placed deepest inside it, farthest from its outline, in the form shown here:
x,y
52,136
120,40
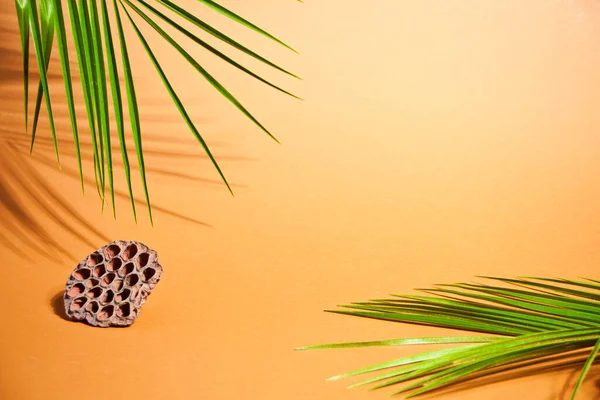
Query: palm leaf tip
x,y
224,11
530,319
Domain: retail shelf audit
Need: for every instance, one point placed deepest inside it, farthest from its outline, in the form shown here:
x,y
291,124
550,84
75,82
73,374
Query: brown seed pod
x,y
109,287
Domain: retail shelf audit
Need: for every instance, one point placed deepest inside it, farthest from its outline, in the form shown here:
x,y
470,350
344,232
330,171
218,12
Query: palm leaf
x,y
530,319
177,100
118,106
23,11
187,56
41,49
61,34
242,21
219,35
84,73
208,47
97,56
47,24
134,114
101,69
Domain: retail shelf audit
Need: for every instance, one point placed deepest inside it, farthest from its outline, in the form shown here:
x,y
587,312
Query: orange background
x,y
438,140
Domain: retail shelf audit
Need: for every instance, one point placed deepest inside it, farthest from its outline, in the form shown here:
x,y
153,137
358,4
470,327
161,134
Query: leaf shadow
x,y
26,196
554,364
32,208
23,195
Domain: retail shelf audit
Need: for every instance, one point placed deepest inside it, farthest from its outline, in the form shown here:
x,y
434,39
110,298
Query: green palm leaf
x,y
531,320
97,56
176,99
242,21
214,32
42,51
134,114
101,70
85,73
23,11
47,17
61,34
118,106
216,84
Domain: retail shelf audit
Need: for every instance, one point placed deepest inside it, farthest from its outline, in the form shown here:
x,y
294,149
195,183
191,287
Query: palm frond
x,y
102,55
175,98
530,319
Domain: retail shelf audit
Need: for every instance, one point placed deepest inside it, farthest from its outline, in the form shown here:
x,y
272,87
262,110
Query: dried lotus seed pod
x,y
109,287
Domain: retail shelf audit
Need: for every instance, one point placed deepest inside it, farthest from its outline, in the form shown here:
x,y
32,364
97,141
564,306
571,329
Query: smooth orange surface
x,y
438,140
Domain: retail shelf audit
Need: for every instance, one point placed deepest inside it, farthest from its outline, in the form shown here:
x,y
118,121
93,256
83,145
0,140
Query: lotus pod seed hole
x,y
132,279
92,307
99,271
107,280
94,292
94,258
124,295
111,251
106,313
117,285
78,303
130,252
124,310
143,259
82,274
108,296
77,289
126,269
114,264
148,273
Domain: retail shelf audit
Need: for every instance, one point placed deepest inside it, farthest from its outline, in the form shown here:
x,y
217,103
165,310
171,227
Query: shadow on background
x,y
58,305
25,194
560,363
29,202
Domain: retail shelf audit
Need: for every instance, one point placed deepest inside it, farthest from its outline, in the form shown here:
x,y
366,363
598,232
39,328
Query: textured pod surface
x,y
109,287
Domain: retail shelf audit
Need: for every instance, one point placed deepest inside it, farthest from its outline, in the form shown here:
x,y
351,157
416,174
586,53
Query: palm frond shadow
x,y
558,364
23,195
45,146
28,202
